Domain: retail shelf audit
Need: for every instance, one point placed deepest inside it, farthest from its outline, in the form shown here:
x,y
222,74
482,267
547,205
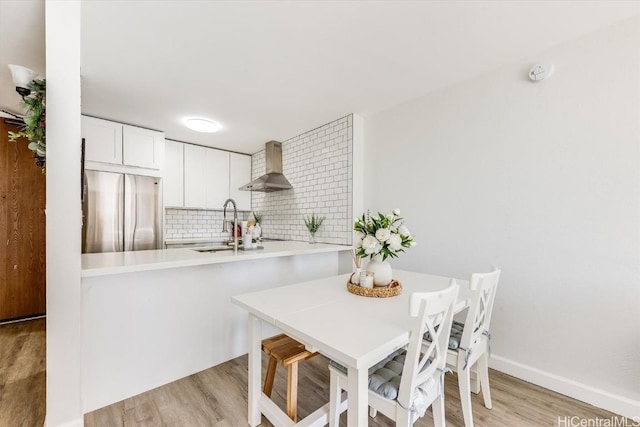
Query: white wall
x,y
542,180
63,213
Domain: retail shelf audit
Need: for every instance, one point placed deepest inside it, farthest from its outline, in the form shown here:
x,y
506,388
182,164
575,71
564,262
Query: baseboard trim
x,y
600,398
78,422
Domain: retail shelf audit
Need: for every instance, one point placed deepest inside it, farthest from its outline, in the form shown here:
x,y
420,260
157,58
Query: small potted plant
x,y
313,224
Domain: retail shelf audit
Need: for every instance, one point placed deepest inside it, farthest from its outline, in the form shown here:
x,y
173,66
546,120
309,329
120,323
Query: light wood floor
x,y
218,397
22,374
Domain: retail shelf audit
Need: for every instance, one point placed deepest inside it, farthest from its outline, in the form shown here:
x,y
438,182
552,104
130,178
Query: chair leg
x,y
404,418
464,383
475,381
483,377
292,391
335,397
438,412
269,376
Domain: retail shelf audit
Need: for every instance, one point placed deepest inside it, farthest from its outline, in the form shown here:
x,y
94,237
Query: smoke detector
x,y
540,71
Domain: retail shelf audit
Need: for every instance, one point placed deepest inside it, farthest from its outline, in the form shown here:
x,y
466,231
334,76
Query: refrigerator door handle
x,y
120,239
130,212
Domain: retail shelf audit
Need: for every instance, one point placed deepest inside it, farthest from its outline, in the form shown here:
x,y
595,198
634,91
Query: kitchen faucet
x,y
235,223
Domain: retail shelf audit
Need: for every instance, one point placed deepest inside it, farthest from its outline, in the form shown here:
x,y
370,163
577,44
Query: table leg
x,y
358,396
254,367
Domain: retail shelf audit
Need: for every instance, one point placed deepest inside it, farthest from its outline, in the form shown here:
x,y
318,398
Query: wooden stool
x,y
284,349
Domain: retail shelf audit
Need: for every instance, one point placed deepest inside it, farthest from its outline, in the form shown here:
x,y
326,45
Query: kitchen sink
x,y
216,249
224,248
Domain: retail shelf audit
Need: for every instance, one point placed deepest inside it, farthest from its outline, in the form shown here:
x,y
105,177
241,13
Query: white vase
x,y
257,231
382,273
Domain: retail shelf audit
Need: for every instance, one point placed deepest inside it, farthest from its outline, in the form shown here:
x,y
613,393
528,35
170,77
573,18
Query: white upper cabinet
x,y
204,178
239,175
103,140
217,178
173,182
195,162
142,147
118,144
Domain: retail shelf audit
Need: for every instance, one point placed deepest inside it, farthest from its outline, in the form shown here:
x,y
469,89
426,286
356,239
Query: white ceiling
x,y
274,69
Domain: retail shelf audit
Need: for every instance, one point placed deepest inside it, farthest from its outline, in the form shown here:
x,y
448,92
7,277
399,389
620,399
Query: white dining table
x,y
353,330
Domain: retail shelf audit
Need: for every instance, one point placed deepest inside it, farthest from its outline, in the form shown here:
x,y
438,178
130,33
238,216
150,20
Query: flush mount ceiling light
x,y
202,125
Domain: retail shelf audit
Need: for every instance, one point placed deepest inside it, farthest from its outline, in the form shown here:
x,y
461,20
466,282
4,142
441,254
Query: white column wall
x,y
541,179
63,213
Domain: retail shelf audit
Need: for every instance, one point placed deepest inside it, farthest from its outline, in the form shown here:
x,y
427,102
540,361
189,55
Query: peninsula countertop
x,y
128,262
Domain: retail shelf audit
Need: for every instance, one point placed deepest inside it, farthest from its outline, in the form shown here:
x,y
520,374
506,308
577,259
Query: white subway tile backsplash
x,y
183,224
318,165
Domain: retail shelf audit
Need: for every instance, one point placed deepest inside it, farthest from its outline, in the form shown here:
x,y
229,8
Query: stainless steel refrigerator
x,y
121,212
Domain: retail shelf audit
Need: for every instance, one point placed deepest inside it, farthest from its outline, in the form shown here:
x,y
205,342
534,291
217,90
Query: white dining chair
x,y
407,382
469,343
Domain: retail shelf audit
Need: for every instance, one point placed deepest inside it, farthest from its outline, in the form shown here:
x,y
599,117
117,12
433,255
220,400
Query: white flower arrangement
x,y
384,235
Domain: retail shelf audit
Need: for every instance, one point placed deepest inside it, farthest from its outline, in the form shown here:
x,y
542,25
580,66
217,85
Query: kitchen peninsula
x,y
152,317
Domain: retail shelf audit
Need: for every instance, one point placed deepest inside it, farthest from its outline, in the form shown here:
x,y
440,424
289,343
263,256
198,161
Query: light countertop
x,y
128,262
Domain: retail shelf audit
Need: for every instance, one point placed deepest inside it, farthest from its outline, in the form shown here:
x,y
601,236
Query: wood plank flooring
x,y
218,397
22,374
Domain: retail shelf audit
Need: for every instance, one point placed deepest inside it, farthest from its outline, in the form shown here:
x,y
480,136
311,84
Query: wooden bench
x,y
288,352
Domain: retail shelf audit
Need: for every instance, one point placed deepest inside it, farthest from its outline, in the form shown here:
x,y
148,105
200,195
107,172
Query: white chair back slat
x,y
484,286
435,310
422,378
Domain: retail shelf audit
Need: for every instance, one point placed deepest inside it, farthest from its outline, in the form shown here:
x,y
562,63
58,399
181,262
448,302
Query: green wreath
x,y
35,123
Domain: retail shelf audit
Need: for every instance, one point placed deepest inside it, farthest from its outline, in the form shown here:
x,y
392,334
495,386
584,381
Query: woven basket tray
x,y
393,289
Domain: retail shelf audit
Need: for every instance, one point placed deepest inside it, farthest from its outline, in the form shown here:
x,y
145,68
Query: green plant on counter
x,y
35,123
313,224
257,216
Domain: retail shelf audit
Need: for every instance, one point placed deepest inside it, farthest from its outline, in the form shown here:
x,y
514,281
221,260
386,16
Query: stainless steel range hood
x,y
273,179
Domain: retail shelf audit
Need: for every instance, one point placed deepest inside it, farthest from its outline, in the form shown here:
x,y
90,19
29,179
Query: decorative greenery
x,y
383,235
35,123
313,223
257,215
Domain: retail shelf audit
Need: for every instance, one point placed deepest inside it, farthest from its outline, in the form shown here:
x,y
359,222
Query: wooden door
x,y
22,230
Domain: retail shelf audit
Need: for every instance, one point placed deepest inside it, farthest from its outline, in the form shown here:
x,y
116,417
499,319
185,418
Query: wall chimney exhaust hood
x,y
273,179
